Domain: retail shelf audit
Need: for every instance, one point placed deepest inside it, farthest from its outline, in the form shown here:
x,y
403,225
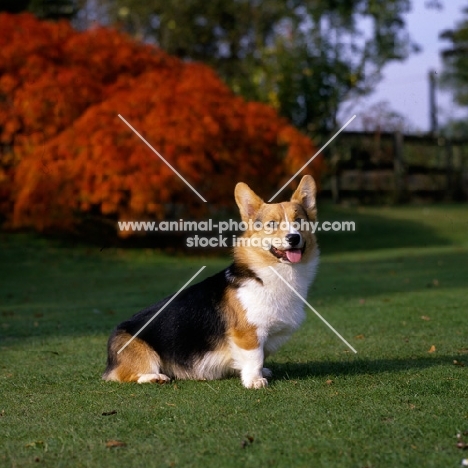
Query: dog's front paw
x,y
260,382
267,372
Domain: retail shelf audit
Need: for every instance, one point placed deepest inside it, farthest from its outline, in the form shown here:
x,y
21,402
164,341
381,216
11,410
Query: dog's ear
x,y
247,201
305,195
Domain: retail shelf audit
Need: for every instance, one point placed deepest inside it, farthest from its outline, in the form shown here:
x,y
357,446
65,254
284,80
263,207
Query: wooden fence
x,y
392,167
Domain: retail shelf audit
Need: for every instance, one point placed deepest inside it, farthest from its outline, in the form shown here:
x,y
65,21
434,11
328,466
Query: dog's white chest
x,y
274,307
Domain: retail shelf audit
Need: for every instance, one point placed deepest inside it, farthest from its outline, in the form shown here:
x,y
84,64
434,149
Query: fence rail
x,y
392,167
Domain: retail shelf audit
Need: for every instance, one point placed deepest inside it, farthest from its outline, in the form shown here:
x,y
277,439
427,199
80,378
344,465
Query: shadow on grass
x,y
367,278
92,301
53,288
374,232
304,370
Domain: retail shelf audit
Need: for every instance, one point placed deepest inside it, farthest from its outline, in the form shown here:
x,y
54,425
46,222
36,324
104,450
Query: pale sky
x,y
405,84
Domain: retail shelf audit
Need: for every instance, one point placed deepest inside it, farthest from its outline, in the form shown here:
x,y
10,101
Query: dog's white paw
x,y
267,372
260,382
153,378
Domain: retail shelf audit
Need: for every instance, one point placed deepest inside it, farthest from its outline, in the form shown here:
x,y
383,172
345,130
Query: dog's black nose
x,y
293,239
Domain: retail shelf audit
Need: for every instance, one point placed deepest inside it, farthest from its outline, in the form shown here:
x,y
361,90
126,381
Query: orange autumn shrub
x,y
66,154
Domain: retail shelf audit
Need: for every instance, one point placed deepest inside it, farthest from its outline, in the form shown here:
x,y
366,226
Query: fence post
x,y
450,188
398,168
335,175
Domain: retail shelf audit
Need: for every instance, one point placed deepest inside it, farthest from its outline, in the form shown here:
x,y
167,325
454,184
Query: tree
x,y
14,6
455,129
54,9
380,117
66,154
455,59
45,9
303,56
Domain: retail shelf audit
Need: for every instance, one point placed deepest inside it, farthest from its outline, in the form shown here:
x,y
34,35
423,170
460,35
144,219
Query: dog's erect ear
x,y
305,195
247,201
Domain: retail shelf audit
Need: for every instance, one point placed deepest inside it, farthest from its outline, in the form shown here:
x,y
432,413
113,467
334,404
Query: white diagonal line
x,y
162,159
161,309
313,310
313,157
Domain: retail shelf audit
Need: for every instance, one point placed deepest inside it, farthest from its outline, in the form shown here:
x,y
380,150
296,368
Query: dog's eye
x,y
272,224
298,220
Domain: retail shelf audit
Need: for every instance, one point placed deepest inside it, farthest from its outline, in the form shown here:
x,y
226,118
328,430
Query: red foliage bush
x,y
67,154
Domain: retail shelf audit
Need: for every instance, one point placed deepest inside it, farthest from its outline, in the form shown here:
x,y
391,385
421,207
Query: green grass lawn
x,y
395,289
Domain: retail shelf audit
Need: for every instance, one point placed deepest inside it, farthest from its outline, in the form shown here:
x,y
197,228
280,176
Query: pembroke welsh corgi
x,y
230,322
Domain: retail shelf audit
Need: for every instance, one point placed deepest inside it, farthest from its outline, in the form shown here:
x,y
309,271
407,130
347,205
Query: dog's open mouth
x,y
290,255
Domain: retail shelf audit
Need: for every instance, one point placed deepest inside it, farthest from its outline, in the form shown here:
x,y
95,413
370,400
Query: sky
x,y
405,84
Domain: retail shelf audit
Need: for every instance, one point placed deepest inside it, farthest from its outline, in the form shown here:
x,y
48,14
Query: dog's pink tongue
x,y
294,255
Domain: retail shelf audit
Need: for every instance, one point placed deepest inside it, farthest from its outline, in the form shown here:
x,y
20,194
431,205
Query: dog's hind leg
x,y
153,378
137,362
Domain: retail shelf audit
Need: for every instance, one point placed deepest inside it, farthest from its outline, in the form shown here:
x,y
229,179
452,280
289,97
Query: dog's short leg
x,y
250,362
267,372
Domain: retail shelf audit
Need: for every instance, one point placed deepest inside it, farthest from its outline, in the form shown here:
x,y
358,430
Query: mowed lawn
x,y
396,289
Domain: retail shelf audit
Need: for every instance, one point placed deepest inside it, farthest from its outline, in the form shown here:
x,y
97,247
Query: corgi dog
x,y
230,322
